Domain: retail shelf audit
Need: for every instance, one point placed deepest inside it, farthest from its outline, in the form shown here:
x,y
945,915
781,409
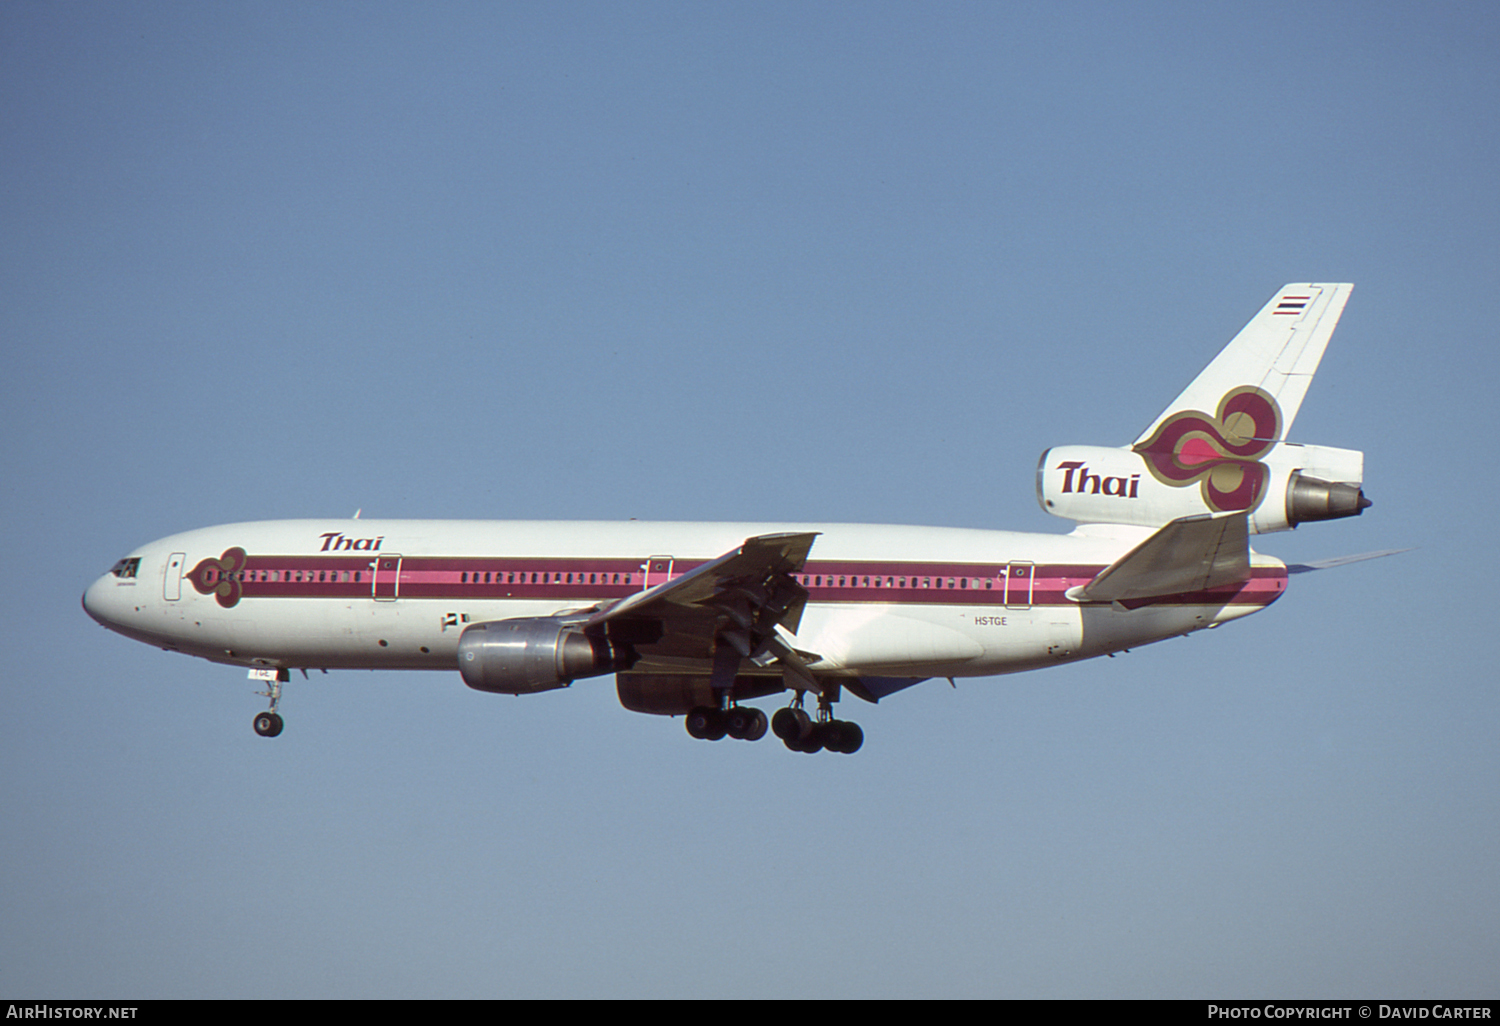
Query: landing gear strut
x,y
269,723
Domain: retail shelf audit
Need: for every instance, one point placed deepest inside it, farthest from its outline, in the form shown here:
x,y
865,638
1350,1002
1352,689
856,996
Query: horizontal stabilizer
x,y
1187,555
1328,564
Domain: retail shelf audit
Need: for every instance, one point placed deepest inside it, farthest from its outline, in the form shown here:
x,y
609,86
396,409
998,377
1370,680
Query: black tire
x,y
706,724
699,721
791,724
717,727
851,737
268,724
827,735
739,720
758,725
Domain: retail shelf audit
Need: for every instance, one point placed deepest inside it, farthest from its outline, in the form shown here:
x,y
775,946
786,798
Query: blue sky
x,y
799,262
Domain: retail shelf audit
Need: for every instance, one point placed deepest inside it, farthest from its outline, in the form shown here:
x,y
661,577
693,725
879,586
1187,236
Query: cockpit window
x,y
126,568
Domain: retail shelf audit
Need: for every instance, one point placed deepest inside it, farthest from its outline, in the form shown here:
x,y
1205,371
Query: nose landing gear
x,y
269,723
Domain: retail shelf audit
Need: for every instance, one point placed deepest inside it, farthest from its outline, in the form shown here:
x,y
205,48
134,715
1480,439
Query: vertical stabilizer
x,y
1277,353
1221,446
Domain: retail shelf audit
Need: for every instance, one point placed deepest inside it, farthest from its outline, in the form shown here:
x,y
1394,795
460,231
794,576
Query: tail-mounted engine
x,y
1293,484
529,654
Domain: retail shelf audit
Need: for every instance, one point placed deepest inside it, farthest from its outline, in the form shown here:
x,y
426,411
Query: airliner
x,y
701,619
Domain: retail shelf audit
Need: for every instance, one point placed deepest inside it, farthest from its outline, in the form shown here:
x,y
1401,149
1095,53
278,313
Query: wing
x,y
720,614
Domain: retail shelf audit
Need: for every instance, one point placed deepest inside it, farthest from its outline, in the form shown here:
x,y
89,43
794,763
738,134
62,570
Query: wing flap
x,y
722,613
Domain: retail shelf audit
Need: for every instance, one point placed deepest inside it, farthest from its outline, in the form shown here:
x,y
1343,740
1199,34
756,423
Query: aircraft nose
x,y
98,600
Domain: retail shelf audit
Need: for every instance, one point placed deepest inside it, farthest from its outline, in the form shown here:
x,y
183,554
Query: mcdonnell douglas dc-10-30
x,y
699,619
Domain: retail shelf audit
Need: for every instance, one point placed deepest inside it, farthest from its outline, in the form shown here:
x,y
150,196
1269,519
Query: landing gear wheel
x,y
268,724
791,725
745,723
706,724
758,726
827,735
841,736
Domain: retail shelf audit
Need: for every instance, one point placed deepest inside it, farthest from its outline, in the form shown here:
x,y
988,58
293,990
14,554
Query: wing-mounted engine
x,y
715,617
535,653
1290,485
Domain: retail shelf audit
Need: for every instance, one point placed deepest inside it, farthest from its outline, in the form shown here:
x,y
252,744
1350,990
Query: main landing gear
x,y
738,721
269,723
801,733
797,730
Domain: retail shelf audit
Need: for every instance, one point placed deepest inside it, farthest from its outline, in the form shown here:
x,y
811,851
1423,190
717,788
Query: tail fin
x,y
1277,352
1221,447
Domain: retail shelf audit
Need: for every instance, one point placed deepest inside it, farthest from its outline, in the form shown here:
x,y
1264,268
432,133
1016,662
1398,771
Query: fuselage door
x,y
1019,579
171,585
658,571
387,579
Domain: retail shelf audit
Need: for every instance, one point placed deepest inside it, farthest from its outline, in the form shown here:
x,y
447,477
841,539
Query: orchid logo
x,y
1221,453
221,576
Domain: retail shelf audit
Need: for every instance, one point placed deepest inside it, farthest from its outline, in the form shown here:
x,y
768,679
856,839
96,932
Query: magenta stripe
x,y
461,579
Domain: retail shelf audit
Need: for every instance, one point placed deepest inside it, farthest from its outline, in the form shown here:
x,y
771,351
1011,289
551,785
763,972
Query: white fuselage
x,y
396,594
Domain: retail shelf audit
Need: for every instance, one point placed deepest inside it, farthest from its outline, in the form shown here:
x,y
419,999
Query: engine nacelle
x,y
530,654
1291,485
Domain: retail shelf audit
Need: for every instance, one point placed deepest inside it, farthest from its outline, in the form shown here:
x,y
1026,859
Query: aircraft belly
x,y
1108,629
888,638
1025,639
319,633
